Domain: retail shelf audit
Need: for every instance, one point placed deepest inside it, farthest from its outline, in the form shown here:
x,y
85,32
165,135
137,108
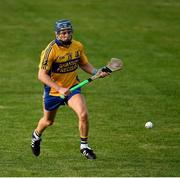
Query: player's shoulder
x,y
50,47
77,43
51,44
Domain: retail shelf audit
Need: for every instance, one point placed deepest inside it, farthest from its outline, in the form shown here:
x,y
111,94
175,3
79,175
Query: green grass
x,y
145,34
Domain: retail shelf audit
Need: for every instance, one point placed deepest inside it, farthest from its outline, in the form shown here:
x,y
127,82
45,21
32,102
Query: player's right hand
x,y
64,91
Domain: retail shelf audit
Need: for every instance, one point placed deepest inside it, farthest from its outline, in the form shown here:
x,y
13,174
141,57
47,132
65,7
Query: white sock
x,y
37,137
82,146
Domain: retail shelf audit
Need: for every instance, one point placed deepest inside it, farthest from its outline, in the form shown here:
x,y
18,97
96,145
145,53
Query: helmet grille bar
x,y
62,25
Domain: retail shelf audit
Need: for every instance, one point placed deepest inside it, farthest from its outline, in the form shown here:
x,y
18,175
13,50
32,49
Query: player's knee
x,y
83,116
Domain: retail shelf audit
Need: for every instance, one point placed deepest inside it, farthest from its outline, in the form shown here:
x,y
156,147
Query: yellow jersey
x,y
62,63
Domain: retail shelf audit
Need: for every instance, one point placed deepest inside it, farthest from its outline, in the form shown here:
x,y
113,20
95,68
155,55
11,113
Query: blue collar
x,y
58,42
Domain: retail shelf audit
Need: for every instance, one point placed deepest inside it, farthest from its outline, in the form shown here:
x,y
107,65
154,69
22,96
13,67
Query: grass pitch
x,y
145,34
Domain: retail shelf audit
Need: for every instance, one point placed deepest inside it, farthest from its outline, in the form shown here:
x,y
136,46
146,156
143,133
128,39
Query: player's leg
x,y
50,106
44,122
78,105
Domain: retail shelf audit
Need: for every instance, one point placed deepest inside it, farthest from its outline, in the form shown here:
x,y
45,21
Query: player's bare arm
x,y
45,78
91,70
88,68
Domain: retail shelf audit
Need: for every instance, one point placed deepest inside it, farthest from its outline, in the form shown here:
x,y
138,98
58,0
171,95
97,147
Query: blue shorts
x,y
53,102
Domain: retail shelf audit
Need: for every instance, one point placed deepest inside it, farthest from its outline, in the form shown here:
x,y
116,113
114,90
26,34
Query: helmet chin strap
x,y
64,43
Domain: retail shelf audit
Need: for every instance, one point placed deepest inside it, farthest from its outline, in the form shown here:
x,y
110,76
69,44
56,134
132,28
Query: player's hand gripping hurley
x,y
113,65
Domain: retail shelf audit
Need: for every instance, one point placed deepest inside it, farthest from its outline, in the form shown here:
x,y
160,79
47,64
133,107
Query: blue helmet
x,y
63,25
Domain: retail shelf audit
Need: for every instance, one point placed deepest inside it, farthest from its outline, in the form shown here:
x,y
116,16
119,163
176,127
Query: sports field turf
x,y
145,34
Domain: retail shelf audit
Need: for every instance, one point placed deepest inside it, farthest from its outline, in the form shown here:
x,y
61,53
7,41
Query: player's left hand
x,y
103,74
